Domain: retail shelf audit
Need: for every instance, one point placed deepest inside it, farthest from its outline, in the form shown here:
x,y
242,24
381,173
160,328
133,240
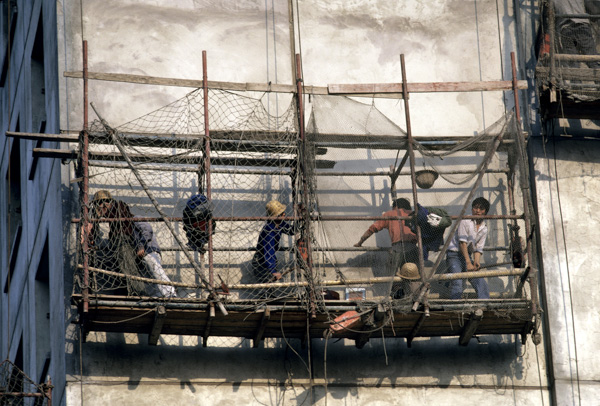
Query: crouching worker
x,y
142,239
411,281
197,216
264,262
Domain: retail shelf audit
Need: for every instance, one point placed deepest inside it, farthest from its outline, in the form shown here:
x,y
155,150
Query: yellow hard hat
x,y
274,208
102,195
409,271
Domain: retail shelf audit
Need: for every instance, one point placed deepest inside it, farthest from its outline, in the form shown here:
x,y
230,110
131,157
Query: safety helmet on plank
x,y
409,271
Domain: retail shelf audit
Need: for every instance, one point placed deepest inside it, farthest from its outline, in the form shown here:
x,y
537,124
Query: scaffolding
x,y
568,66
219,148
16,388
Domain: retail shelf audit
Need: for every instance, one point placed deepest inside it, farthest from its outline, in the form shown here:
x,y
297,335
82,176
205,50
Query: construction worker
x,y
404,241
264,262
197,215
140,236
465,250
103,253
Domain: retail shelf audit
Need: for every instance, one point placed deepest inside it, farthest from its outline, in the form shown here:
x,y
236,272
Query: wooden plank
x,y
159,319
193,83
471,327
425,87
43,137
261,327
388,90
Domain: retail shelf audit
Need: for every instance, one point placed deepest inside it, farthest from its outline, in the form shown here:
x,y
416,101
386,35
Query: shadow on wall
x,y
492,362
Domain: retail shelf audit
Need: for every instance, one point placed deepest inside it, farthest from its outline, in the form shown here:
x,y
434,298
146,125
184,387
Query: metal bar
x,y
412,166
86,181
211,276
44,137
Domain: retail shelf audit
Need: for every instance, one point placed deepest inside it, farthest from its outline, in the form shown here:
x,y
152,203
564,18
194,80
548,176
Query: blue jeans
x,y
456,264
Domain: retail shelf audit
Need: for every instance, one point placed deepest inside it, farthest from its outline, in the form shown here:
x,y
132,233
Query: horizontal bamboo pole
x,y
366,281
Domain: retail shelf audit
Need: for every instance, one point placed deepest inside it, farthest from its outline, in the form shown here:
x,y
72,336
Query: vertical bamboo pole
x,y
302,176
525,189
85,184
412,165
211,277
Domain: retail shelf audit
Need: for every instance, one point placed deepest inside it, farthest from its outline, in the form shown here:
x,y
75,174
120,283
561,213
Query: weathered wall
x,y
340,42
567,186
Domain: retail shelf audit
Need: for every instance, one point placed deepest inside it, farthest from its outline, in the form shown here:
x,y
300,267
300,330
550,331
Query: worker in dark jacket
x,y
197,215
433,222
264,262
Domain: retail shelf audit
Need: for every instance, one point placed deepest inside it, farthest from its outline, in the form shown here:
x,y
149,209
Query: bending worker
x,y
404,241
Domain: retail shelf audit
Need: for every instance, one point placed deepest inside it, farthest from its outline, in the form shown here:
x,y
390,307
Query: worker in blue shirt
x,y
264,262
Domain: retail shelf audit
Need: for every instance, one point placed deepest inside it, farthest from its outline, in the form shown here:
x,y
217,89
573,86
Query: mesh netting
x,y
368,151
568,49
16,388
150,191
260,215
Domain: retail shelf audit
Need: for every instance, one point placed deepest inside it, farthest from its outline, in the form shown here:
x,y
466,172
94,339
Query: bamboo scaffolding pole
x,y
207,167
296,218
411,156
85,182
364,281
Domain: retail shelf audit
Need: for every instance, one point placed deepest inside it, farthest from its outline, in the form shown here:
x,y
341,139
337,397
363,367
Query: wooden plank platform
x,y
256,320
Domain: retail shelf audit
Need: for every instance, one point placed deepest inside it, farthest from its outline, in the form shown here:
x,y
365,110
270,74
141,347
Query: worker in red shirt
x,y
404,243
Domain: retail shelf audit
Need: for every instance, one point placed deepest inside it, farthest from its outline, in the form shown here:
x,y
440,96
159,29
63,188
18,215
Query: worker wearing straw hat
x,y
264,262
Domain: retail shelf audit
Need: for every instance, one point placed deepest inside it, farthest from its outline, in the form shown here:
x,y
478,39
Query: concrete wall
x,y
32,304
566,180
340,42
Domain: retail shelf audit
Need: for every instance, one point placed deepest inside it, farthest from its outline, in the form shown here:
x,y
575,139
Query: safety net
x,y
225,201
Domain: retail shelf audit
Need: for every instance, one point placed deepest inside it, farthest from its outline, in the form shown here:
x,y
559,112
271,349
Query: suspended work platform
x,y
333,175
290,320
